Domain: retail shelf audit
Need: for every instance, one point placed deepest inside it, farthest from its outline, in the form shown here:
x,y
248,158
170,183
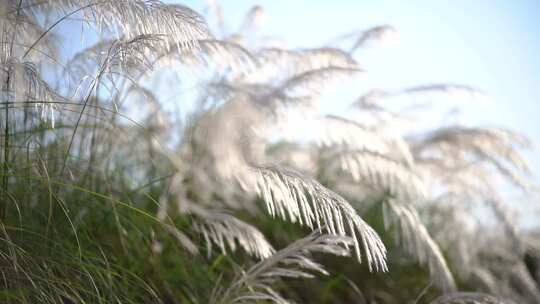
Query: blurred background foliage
x,y
152,155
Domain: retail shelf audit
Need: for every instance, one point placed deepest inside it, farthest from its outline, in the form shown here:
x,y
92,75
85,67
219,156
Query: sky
x,y
492,45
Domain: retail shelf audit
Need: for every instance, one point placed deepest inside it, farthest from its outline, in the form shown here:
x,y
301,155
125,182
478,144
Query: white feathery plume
x,y
122,57
381,172
452,90
381,33
521,278
313,82
131,54
182,238
295,156
18,17
26,83
462,146
486,279
26,87
292,261
355,136
276,62
231,133
415,238
299,91
290,195
181,25
494,142
226,55
374,97
344,132
225,230
511,227
253,19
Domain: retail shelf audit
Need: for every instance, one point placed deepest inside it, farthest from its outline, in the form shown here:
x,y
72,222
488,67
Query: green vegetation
x,y
116,188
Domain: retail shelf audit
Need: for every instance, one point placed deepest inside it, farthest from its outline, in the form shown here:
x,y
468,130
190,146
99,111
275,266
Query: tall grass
x,y
150,165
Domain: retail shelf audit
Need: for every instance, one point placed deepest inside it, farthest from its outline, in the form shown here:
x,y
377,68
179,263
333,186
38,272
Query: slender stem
x,y
5,179
58,22
6,159
86,100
